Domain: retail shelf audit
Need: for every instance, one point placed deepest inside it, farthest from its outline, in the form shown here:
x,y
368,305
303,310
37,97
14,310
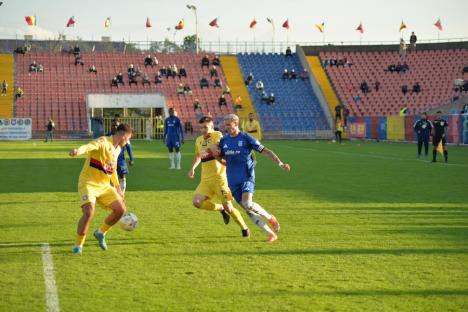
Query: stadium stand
x,y
296,109
7,74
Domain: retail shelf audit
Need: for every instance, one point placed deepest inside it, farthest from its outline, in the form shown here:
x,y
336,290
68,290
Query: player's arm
x,y
270,154
128,147
85,148
195,162
115,182
217,153
165,131
181,131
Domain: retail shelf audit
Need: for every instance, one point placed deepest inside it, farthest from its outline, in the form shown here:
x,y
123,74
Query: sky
x,y
381,19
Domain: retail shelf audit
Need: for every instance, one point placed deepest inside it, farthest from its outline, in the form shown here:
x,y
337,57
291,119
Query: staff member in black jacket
x,y
423,128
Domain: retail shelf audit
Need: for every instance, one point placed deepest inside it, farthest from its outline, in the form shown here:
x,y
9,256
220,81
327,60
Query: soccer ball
x,y
129,221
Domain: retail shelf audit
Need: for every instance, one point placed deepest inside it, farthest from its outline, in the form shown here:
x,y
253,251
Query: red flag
x,y
71,22
214,23
286,24
31,20
438,24
148,23
360,28
253,23
180,25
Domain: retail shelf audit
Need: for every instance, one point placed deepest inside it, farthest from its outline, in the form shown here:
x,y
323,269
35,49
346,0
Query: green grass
x,y
365,227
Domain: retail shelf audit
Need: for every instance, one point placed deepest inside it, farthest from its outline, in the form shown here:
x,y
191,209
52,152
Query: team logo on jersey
x,y
225,146
85,197
239,143
442,123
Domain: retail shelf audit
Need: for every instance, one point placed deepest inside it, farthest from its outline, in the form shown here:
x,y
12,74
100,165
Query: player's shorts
x,y
122,168
215,188
172,143
238,189
104,194
437,140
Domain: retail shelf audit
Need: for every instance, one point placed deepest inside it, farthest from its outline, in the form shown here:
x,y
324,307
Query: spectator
x,y
145,80
33,67
412,41
92,69
304,74
213,72
288,51
157,78
465,70
115,82
404,111
155,61
18,93
259,86
325,63
216,61
227,90
402,49
338,129
204,83
188,127
357,99
222,101
148,61
21,50
40,68
264,98
163,71
364,87
138,71
377,85
345,115
180,89
182,72
348,63
205,62
338,111
238,103
187,89
292,74
50,130
130,71
416,88
196,105
168,72
132,79
79,60
120,78
249,79
391,68
285,74
404,89
271,99
4,88
333,62
217,83
76,51
175,71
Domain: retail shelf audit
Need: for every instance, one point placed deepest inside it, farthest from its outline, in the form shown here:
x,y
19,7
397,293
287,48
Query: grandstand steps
x,y
7,73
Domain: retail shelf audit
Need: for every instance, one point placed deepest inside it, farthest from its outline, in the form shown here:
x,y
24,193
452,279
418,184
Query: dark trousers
x,y
338,136
426,146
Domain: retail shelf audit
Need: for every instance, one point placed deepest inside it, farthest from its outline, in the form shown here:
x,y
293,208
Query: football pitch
x,y
364,227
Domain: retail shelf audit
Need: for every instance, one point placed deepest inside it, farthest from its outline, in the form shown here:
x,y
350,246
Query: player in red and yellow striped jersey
x,y
94,184
213,181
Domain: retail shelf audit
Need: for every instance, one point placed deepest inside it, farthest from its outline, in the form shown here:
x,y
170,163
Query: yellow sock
x,y
104,228
80,239
235,214
209,205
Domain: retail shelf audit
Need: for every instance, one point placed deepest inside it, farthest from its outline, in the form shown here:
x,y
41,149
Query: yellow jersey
x,y
211,168
100,165
253,128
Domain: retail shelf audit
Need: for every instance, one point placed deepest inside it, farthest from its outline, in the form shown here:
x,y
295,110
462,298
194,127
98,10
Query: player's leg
x,y
224,194
170,148
256,211
123,182
420,142
202,200
435,143
177,156
83,226
444,145
426,147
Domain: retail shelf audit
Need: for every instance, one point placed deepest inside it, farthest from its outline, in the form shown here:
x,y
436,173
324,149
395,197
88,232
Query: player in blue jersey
x,y
236,148
173,138
122,168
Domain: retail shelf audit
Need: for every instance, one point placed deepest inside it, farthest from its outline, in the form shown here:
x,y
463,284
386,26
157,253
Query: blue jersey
x,y
423,128
173,129
237,151
121,163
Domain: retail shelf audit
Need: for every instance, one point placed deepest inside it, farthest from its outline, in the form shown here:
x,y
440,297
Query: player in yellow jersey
x,y
213,181
253,128
94,184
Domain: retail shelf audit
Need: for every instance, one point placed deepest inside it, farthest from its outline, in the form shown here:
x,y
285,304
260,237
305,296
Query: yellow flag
x,y
440,148
107,22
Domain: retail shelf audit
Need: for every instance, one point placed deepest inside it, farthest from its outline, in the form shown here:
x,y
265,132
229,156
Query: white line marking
x,y
49,279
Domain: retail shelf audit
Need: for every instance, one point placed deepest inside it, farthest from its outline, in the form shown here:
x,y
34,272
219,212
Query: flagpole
x,y
219,40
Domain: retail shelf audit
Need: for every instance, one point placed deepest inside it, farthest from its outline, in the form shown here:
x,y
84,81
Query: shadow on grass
x,y
368,293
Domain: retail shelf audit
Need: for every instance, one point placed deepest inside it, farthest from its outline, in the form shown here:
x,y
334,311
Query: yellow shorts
x,y
104,195
215,188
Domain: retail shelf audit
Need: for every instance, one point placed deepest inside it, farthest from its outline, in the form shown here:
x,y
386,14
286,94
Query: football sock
x,y
434,155
258,221
104,228
259,210
171,159
209,205
446,156
177,157
123,184
80,239
235,214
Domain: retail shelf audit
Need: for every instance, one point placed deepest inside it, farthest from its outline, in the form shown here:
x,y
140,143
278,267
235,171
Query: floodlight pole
x,y
194,9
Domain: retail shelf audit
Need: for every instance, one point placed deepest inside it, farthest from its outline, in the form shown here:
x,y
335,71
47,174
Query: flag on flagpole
x,y
180,25
253,23
270,20
214,23
107,22
148,23
440,148
286,24
31,20
71,22
321,27
438,24
360,28
402,26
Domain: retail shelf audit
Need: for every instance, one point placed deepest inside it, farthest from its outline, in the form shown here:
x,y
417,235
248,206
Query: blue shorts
x,y
238,189
122,168
170,143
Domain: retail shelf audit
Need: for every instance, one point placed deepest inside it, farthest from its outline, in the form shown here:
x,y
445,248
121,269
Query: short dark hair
x,y
205,119
125,128
439,112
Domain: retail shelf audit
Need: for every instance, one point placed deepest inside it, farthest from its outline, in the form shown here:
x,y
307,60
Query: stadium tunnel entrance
x,y
145,113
